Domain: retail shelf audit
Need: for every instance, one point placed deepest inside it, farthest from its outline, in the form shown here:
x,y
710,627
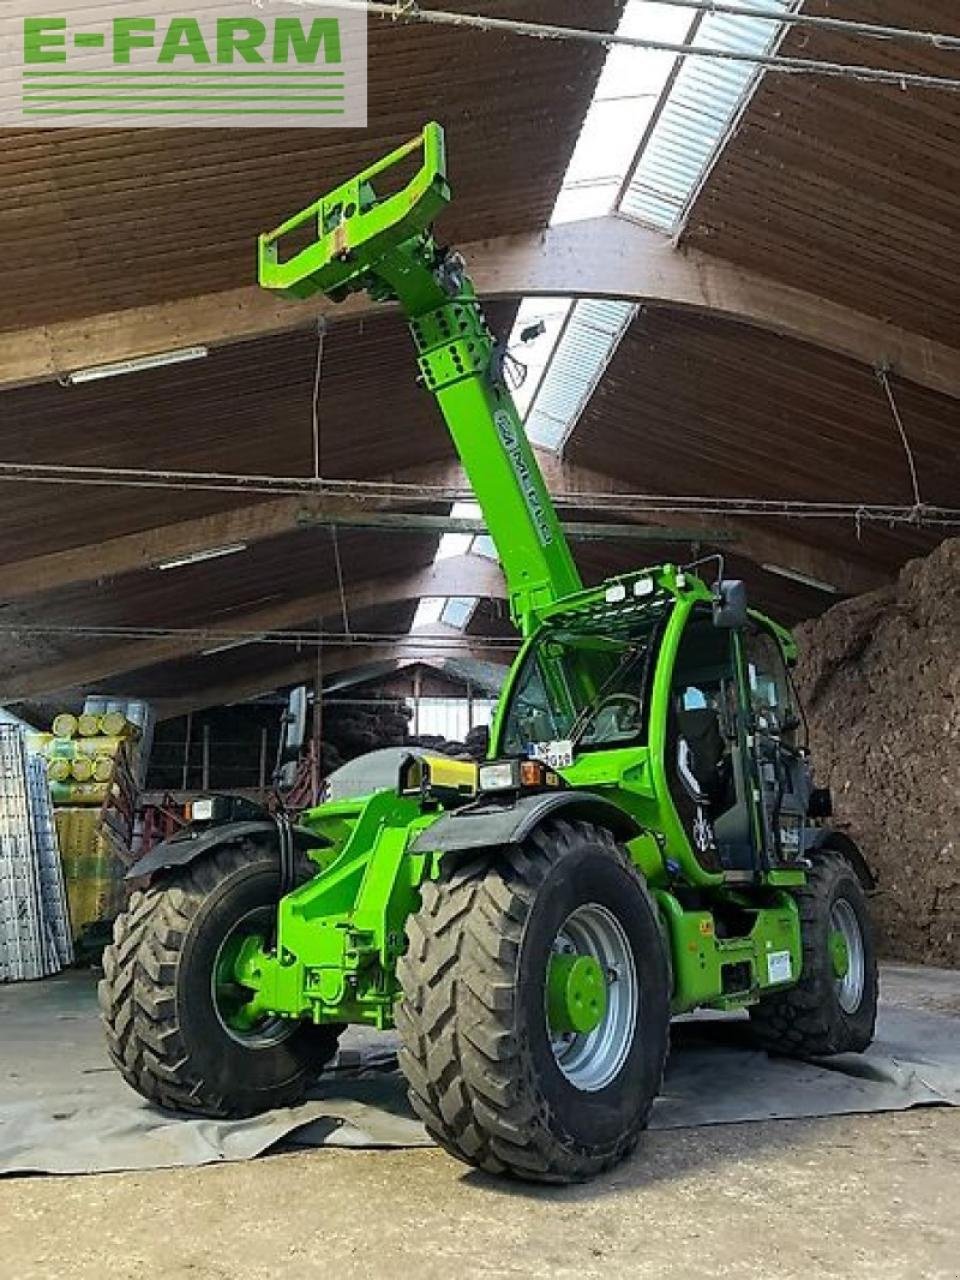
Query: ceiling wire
x,y
340,587
315,402
302,638
410,11
883,377
390,491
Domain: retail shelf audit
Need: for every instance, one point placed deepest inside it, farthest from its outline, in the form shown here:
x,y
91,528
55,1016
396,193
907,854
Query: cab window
x,y
771,698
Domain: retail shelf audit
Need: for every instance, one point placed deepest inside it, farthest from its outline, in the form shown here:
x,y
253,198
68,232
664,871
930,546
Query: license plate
x,y
556,755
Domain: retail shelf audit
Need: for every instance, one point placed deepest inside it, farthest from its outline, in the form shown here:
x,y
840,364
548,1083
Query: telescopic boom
x,y
383,245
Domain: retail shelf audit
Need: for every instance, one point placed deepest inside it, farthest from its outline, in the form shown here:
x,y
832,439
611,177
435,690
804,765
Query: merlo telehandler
x,y
644,839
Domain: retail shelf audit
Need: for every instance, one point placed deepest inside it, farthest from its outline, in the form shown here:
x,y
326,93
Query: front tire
x,y
489,1073
166,1014
833,1008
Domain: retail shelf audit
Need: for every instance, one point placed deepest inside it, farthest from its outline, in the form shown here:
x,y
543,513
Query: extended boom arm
x,y
384,246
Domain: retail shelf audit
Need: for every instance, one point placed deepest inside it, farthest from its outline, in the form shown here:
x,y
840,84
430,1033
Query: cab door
x,y
774,761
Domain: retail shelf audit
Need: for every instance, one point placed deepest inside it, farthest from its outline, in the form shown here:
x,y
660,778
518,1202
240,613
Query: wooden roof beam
x,y
275,516
304,670
148,548
609,257
752,538
456,575
137,551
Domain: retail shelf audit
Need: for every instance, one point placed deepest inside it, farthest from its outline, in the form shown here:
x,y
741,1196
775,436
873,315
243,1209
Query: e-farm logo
x,y
162,64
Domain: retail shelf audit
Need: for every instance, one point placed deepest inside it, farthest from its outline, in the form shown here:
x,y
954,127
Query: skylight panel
x,y
648,141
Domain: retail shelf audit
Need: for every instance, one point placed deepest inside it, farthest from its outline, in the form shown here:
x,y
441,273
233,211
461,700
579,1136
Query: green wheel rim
x,y
234,1003
576,994
847,953
591,997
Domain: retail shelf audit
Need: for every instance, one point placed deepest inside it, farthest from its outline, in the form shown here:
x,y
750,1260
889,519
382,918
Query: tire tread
x,y
459,1051
138,993
798,1022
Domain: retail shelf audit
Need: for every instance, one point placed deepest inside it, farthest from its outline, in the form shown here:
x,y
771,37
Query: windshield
x,y
590,689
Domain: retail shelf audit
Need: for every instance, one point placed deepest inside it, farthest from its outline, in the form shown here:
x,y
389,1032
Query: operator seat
x,y
700,728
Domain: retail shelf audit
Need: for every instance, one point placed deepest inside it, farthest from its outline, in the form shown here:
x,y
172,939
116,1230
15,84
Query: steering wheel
x,y
629,722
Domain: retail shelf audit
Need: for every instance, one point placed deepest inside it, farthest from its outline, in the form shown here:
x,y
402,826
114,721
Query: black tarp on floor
x,y
63,1108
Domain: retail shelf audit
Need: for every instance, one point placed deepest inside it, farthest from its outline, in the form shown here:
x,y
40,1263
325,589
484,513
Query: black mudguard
x,y
196,840
828,838
489,824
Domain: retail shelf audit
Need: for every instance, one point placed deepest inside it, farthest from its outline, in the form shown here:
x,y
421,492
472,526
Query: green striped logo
x,y
154,62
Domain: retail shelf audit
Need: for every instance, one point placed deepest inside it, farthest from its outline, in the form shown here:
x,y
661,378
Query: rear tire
x,y
823,1014
157,1001
487,1074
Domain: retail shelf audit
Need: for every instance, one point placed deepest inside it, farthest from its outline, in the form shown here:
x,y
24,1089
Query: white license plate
x,y
779,966
556,755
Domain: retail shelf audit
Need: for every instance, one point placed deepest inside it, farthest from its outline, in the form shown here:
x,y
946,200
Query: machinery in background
x,y
644,838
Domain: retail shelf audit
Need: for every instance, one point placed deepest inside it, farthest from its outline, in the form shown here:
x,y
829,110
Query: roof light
x,y
616,593
139,365
197,557
803,578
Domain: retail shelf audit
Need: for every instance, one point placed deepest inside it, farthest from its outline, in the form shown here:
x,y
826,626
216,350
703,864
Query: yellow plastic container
x,y
58,770
89,725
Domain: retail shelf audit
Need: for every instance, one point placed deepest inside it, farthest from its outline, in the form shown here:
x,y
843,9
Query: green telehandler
x,y
644,838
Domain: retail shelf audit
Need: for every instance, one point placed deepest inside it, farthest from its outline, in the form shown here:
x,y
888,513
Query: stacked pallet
x,y
35,938
92,763
82,754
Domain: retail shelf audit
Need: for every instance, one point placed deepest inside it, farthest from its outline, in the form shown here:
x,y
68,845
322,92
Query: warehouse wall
x,y
880,679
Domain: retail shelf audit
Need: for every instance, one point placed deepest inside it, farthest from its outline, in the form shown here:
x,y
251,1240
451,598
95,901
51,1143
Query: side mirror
x,y
730,604
294,725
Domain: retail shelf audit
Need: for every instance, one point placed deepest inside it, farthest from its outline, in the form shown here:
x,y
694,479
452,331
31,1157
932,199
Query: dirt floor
x,y
848,1197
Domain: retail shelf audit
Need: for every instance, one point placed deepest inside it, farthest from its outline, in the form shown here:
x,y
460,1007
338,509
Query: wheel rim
x,y
846,950
233,1002
591,1030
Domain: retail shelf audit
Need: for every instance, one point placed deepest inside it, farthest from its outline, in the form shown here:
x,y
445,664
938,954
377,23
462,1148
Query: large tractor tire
x,y
833,1008
536,1000
173,1012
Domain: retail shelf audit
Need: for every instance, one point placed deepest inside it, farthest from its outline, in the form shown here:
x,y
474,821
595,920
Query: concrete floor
x,y
848,1197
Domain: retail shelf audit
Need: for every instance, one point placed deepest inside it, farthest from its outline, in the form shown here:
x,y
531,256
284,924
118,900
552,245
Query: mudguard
x,y
194,841
488,824
828,838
